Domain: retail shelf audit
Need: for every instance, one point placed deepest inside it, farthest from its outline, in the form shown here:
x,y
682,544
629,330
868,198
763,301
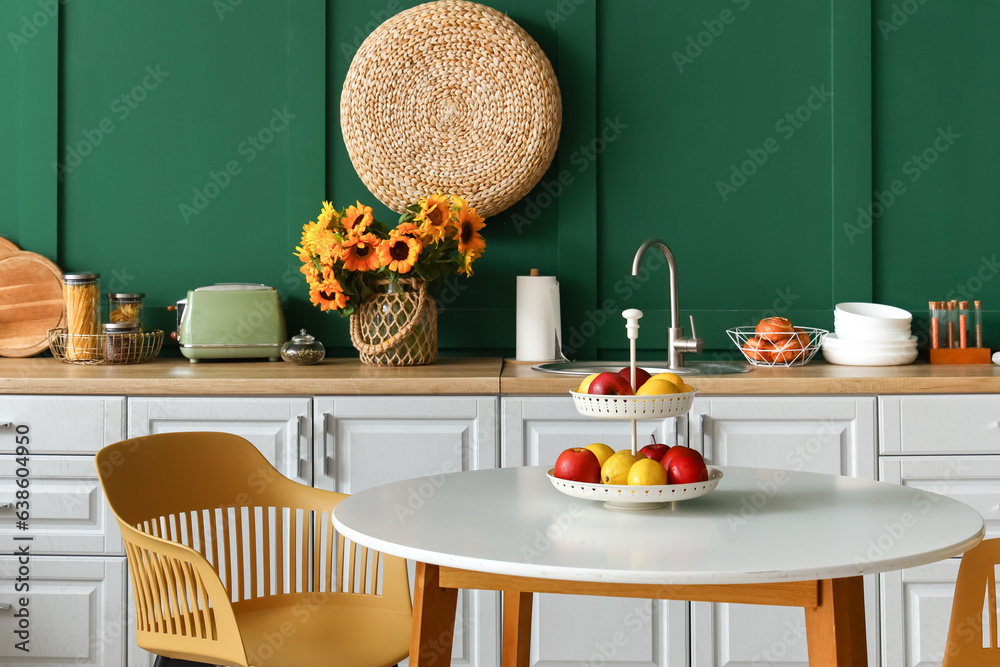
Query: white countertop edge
x,y
653,577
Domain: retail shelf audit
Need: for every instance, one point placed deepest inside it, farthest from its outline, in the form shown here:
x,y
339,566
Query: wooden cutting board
x,y
7,247
31,303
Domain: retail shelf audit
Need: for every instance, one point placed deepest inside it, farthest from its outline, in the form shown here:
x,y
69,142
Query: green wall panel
x,y
937,69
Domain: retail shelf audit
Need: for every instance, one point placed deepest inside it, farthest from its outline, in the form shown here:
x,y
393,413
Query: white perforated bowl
x,y
624,497
653,406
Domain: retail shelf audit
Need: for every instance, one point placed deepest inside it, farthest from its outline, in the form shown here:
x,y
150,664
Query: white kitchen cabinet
x,y
834,435
279,427
955,424
917,601
75,564
589,630
75,611
362,442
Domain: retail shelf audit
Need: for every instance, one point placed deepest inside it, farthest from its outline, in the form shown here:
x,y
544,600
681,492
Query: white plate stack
x,y
870,334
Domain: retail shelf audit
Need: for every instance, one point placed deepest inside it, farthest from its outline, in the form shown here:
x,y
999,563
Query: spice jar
x,y
303,350
119,342
83,308
125,307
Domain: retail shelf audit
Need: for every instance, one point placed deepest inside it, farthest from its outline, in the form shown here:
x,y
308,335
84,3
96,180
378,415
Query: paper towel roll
x,y
539,333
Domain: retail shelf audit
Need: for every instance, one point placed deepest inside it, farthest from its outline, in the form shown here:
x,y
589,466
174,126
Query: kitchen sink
x,y
689,368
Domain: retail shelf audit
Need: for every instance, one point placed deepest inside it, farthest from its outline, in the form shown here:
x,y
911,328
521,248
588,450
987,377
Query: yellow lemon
x,y
585,385
602,451
684,388
615,469
669,377
646,472
654,386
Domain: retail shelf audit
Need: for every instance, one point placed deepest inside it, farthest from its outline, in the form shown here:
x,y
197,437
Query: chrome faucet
x,y
677,344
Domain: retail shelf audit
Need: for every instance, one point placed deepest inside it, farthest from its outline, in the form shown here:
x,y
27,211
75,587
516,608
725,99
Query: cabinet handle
x,y
4,605
6,505
6,424
327,459
302,462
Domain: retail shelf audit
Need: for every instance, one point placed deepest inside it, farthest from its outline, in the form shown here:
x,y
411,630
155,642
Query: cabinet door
x,y
62,424
66,512
573,629
364,442
278,427
917,601
966,424
74,611
815,434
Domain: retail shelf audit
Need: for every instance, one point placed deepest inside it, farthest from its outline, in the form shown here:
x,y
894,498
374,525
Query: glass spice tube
x,y
934,323
950,306
81,293
963,323
979,324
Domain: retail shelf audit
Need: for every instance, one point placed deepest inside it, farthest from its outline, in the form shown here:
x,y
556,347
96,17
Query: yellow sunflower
x,y
329,216
356,219
328,294
360,253
308,268
434,215
467,225
399,252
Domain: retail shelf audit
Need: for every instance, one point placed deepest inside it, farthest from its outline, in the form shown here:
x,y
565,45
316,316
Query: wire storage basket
x,y
120,348
780,349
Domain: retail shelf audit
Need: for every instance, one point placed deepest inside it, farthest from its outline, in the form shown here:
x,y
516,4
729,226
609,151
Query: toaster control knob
x,y
173,335
172,308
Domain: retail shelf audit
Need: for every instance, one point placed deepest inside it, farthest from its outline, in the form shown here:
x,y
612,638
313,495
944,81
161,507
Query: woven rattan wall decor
x,y
451,97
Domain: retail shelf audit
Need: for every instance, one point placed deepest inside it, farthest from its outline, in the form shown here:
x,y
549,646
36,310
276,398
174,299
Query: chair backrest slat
x,y
975,603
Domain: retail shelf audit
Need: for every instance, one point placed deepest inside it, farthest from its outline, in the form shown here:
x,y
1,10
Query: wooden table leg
x,y
433,619
516,628
835,630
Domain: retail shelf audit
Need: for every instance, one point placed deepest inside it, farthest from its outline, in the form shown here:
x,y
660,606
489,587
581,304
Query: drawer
x,y
973,480
67,511
61,424
75,611
966,424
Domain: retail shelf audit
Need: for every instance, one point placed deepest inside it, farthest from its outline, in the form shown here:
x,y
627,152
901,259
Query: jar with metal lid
x,y
303,350
121,341
125,307
81,292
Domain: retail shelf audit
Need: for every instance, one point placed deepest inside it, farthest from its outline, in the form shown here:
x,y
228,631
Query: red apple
x,y
610,384
578,465
655,451
686,468
641,375
669,455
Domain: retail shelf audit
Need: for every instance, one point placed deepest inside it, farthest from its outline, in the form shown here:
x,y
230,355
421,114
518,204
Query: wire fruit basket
x,y
110,349
778,349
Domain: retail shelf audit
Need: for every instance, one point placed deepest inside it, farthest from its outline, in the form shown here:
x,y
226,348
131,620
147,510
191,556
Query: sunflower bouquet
x,y
344,253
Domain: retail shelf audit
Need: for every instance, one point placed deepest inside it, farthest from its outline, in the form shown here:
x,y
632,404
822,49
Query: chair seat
x,y
287,635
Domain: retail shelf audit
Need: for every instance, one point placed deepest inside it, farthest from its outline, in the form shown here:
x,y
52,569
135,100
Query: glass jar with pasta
x,y
81,291
125,307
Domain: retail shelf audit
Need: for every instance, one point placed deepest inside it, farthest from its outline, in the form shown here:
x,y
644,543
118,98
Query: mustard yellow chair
x,y
975,590
234,564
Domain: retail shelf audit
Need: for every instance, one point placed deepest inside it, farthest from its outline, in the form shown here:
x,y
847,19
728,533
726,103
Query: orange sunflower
x,y
467,226
356,219
308,268
329,216
434,215
328,294
399,252
360,253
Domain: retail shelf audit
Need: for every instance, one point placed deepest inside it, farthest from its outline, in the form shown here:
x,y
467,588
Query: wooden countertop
x,y
484,376
247,378
814,378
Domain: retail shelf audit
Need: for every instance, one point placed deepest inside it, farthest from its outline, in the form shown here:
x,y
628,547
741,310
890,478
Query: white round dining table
x,y
763,536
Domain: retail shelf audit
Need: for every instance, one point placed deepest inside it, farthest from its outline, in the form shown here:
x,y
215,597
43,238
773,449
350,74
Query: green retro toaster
x,y
231,321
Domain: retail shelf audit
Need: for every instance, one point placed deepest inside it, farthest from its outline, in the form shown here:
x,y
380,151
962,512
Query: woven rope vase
x,y
396,326
451,97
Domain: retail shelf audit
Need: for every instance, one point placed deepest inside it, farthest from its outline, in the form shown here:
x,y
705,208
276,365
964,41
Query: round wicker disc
x,y
451,97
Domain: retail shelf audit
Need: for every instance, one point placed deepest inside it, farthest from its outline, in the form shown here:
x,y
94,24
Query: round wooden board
x,y
7,247
31,303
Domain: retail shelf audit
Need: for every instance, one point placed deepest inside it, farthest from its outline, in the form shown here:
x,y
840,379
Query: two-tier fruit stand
x,y
649,406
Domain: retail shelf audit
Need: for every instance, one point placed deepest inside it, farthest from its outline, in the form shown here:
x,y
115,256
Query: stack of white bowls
x,y
870,334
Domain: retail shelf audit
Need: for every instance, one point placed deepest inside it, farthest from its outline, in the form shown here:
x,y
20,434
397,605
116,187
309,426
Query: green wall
x,y
198,136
